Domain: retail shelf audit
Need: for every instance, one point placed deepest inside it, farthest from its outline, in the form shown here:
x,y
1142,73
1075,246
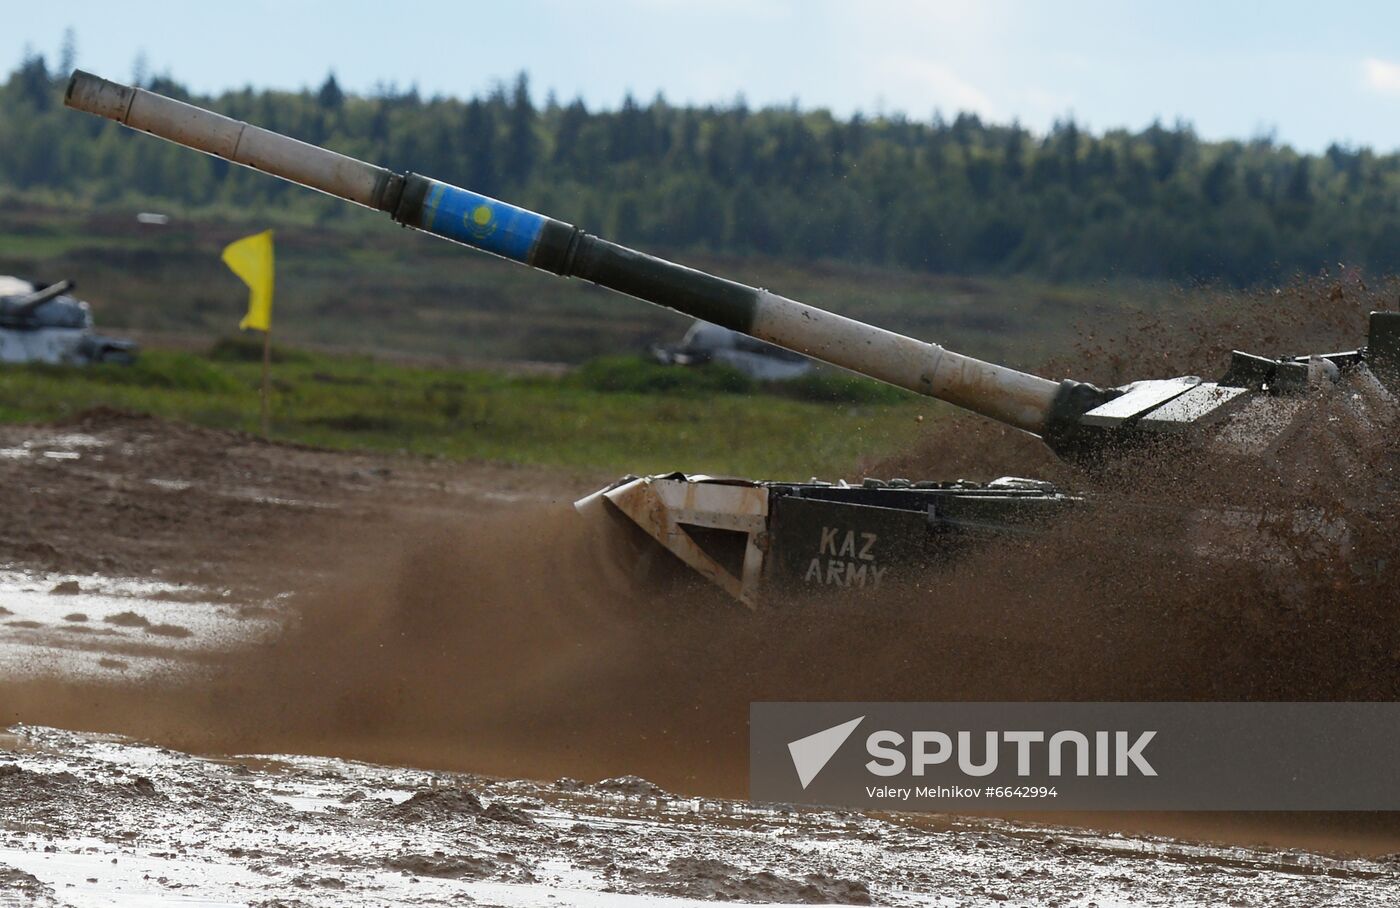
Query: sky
x,y
1309,74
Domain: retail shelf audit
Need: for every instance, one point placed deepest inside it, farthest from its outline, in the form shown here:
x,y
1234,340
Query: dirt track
x,y
389,661
101,821
131,495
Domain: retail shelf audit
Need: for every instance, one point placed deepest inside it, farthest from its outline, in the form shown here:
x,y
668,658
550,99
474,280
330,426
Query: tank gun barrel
x,y
26,304
1015,398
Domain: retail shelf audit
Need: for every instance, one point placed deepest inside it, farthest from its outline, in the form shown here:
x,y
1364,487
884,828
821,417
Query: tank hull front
x,y
763,542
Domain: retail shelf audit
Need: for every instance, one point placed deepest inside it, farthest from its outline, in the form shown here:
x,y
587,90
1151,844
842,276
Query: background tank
x,y
706,343
748,536
43,323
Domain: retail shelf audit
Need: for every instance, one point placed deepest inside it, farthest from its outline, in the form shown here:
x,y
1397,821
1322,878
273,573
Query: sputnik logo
x,y
811,754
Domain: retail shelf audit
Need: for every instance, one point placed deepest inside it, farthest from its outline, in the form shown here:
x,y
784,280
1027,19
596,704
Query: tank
x,y
704,343
44,323
753,538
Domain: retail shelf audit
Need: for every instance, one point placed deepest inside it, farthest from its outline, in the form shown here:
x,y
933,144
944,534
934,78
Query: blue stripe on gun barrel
x,y
481,222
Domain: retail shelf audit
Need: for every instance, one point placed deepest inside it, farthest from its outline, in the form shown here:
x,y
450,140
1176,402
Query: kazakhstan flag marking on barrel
x,y
430,206
482,222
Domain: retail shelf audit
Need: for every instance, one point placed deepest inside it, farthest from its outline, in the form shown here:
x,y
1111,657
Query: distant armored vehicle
x,y
706,343
42,323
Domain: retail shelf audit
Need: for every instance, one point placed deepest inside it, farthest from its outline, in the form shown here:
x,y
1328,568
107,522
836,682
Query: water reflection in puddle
x,y
77,626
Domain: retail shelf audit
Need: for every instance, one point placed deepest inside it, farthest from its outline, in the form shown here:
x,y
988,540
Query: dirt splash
x,y
496,644
500,645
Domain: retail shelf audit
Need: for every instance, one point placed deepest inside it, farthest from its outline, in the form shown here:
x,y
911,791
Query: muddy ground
x,y
92,820
431,637
131,495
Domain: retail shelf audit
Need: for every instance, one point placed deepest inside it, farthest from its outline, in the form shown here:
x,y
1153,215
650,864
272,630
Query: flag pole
x,y
251,259
266,373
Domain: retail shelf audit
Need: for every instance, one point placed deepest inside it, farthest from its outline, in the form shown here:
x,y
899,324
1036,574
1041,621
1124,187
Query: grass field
x,y
357,403
451,331
361,283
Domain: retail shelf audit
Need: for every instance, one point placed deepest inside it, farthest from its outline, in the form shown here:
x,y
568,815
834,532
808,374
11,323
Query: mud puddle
x,y
91,819
89,627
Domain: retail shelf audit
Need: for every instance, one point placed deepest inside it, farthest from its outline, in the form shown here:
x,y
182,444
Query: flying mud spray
x,y
499,646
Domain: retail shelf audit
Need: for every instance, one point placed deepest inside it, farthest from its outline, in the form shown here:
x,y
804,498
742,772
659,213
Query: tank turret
x,y
44,324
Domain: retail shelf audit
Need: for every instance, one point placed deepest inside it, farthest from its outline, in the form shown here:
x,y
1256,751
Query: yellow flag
x,y
251,259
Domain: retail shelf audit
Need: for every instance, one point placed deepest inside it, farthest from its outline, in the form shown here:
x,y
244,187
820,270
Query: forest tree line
x,y
953,196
